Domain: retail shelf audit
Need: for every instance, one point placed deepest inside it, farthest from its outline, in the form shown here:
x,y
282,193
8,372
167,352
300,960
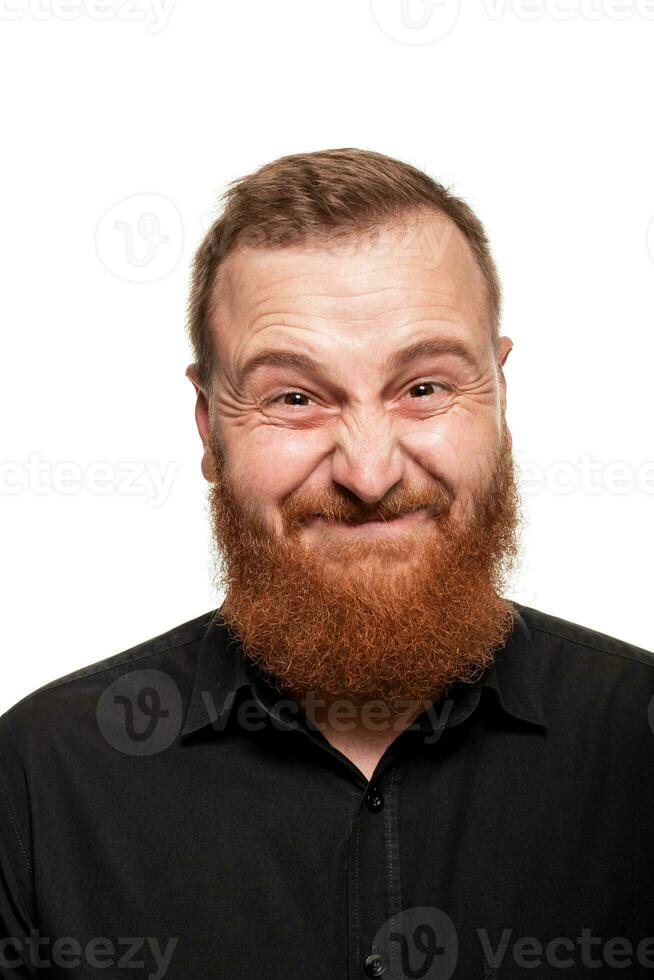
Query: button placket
x,y
376,885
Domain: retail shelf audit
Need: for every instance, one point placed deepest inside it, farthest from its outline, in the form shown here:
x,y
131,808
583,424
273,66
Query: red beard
x,y
370,619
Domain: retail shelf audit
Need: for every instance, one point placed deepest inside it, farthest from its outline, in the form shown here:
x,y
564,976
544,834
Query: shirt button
x,y
374,965
374,802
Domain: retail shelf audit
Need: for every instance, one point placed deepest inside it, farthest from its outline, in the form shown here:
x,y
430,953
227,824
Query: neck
x,y
361,731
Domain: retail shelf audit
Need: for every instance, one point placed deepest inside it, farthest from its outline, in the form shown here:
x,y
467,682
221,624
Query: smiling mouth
x,y
377,524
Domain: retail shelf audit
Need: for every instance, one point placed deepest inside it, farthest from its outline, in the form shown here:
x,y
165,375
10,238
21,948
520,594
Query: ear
x,y
506,346
203,422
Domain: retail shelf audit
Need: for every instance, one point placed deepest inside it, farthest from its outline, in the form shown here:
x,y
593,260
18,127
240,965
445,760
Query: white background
x,y
539,114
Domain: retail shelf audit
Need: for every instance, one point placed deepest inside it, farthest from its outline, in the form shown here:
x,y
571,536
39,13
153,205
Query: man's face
x,y
361,473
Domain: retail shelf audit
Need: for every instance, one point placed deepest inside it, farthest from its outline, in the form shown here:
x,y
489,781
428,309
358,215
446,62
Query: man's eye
x,y
290,394
427,384
423,388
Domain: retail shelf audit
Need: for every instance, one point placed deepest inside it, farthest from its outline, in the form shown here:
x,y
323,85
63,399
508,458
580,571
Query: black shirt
x,y
165,812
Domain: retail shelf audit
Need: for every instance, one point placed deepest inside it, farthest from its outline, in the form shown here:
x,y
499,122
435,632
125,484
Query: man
x,y
367,762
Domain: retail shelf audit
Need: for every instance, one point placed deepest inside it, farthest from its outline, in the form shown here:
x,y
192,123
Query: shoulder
x,y
558,637
74,695
57,730
599,680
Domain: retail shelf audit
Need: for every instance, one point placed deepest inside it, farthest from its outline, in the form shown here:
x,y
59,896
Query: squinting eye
x,y
286,394
300,394
426,384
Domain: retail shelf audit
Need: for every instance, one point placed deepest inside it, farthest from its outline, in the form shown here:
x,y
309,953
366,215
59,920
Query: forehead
x,y
421,271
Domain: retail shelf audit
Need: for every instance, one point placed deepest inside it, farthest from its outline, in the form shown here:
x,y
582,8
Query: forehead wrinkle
x,y
451,301
328,306
260,269
278,353
335,299
453,319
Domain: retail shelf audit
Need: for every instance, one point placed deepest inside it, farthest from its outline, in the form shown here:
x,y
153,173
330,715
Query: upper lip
x,y
367,520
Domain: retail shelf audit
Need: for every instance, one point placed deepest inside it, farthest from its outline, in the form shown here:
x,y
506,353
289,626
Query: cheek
x,y
458,450
270,462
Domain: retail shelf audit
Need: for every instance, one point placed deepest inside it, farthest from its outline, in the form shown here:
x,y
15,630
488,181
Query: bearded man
x,y
368,761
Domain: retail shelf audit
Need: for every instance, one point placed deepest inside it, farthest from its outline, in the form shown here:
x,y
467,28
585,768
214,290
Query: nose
x,y
368,460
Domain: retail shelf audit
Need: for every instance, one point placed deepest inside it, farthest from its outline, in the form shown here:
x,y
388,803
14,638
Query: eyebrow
x,y
429,347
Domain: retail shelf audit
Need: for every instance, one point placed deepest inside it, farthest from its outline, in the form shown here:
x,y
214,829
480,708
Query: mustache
x,y
299,509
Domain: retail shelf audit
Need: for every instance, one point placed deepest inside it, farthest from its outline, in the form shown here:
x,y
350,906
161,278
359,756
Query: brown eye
x,y
292,395
426,385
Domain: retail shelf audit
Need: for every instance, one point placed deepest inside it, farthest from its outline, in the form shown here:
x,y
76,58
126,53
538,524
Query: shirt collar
x,y
514,677
222,670
511,675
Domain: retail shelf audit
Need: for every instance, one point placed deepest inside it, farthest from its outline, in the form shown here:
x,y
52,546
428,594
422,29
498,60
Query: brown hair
x,y
322,195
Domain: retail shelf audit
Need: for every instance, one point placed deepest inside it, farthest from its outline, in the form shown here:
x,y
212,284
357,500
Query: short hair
x,y
319,196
